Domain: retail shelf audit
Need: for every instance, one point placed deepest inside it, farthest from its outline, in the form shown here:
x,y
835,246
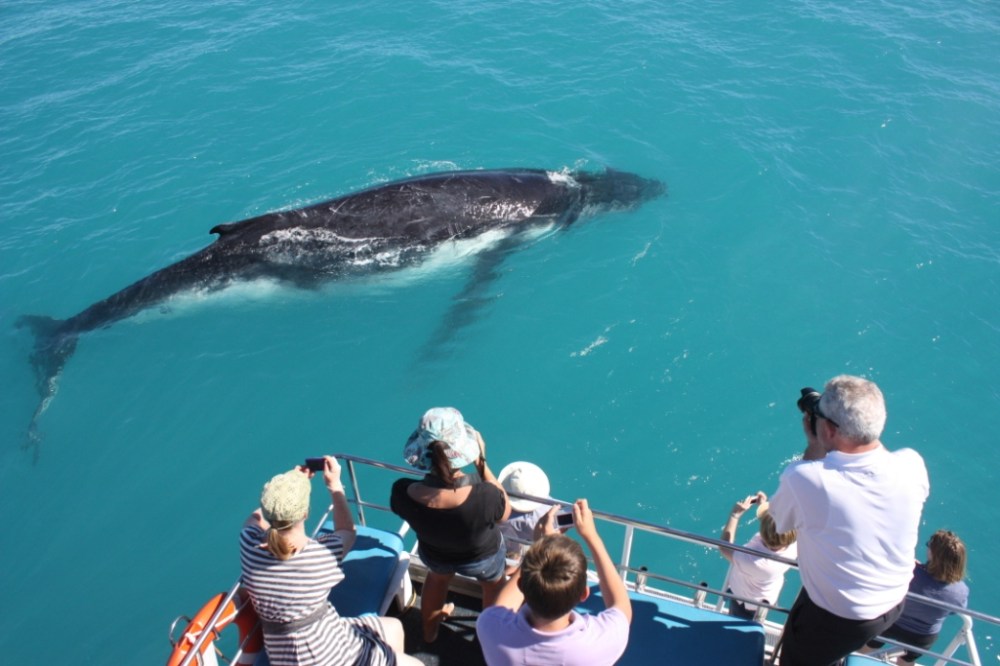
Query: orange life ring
x,y
239,610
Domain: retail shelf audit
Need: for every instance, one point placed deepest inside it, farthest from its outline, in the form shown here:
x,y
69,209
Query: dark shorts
x,y
738,609
486,570
917,640
814,636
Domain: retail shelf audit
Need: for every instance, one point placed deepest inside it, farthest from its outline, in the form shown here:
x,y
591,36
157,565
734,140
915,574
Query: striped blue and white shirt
x,y
287,590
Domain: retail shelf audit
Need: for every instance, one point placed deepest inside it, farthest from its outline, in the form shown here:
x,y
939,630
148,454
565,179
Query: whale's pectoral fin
x,y
52,349
475,295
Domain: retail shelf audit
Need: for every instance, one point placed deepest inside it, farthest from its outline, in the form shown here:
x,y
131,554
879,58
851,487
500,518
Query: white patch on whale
x,y
449,256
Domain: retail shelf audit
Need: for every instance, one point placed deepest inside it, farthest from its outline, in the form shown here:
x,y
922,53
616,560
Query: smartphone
x,y
754,500
316,464
564,519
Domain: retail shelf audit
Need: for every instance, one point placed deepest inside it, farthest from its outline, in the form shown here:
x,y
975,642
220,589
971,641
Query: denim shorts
x,y
486,570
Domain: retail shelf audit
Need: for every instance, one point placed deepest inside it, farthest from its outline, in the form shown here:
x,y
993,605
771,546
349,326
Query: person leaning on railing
x,y
456,516
288,577
939,578
855,507
753,576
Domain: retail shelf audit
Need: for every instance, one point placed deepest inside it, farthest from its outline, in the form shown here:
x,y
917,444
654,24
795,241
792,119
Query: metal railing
x,y
638,578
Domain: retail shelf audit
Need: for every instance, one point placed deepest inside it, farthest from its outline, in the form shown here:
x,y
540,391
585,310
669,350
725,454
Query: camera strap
x,y
435,481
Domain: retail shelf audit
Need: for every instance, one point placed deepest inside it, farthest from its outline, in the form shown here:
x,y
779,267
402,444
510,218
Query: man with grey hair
x,y
856,508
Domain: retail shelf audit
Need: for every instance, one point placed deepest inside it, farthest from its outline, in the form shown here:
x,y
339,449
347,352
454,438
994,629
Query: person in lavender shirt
x,y
533,621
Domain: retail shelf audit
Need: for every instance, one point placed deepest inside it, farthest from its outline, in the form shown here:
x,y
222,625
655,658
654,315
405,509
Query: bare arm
x,y
487,475
510,595
612,588
729,529
256,519
343,521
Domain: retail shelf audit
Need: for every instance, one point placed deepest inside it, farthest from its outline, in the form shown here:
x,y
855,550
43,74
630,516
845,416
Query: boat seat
x,y
375,572
680,634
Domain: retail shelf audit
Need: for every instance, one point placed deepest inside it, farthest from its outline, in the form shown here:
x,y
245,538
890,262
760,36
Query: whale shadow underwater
x,y
384,228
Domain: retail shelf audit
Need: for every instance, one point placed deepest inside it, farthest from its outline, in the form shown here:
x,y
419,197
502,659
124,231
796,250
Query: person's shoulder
x,y
908,455
494,616
609,616
251,533
330,540
609,628
800,465
484,490
799,470
400,485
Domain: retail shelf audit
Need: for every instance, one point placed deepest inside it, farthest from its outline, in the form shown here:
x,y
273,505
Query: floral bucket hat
x,y
446,425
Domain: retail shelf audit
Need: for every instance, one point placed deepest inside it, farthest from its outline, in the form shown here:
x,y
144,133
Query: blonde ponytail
x,y
277,544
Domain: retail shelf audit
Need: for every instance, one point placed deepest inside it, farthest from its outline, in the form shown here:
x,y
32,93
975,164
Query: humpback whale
x,y
383,228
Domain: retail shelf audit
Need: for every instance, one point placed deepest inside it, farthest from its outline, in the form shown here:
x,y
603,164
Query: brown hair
x,y
276,543
441,464
553,576
946,557
769,533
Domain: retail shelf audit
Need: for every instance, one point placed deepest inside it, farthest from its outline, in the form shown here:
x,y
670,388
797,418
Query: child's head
x,y
553,576
769,533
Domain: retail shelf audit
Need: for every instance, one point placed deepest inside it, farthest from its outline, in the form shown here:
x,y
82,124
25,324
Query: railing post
x,y
626,552
720,604
357,492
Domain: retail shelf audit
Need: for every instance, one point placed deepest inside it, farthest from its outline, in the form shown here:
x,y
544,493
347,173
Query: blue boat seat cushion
x,y
370,568
679,634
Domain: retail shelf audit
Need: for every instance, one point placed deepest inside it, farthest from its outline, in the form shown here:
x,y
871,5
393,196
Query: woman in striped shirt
x,y
289,577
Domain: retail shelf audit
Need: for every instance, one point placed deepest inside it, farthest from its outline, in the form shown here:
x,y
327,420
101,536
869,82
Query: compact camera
x,y
316,464
809,404
564,519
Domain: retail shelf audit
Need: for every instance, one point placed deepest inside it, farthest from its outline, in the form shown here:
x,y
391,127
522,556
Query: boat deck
x,y
456,642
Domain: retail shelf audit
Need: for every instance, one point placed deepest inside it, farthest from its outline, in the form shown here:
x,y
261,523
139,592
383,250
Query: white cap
x,y
524,478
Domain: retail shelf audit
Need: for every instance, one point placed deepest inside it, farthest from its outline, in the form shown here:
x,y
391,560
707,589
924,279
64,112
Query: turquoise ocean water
x,y
834,207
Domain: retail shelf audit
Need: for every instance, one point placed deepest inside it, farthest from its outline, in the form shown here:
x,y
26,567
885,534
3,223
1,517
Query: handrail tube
x,y
966,636
626,551
357,492
970,643
942,658
207,631
703,588
957,610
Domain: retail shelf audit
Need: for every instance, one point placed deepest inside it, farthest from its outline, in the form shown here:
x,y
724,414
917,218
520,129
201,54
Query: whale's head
x,y
617,190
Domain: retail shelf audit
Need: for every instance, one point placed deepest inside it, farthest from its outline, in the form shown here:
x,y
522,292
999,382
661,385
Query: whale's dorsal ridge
x,y
223,229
